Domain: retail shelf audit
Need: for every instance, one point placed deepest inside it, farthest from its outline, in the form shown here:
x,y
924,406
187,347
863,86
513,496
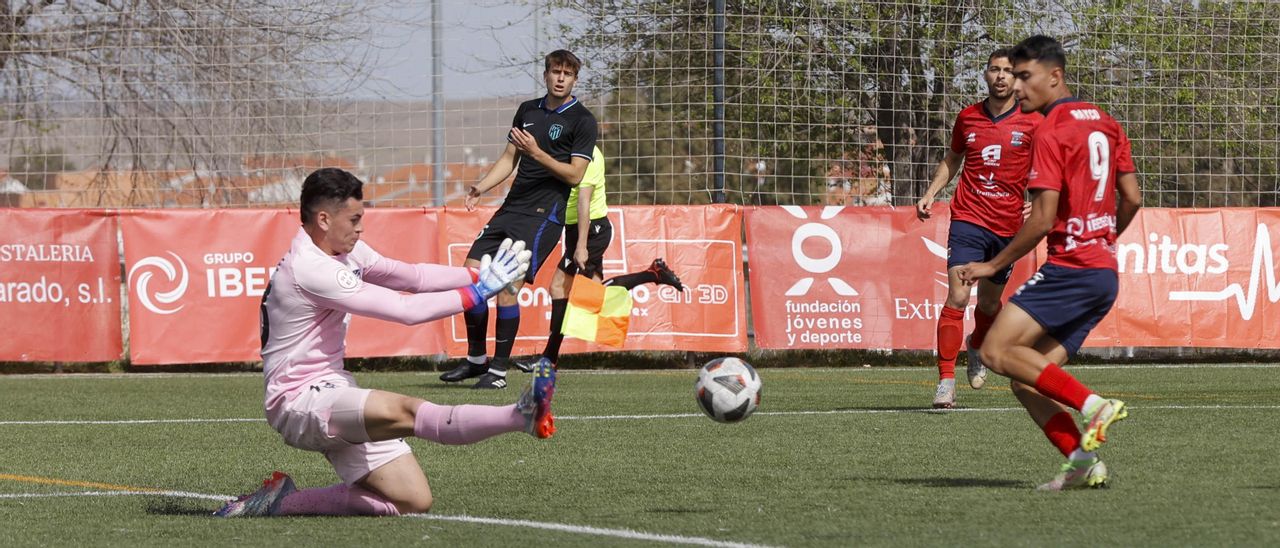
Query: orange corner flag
x,y
597,313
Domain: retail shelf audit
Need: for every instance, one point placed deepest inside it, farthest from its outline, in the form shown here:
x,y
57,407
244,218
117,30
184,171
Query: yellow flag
x,y
597,313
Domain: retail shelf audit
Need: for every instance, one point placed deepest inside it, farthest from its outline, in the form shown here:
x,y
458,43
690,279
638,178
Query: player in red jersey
x,y
1080,161
992,140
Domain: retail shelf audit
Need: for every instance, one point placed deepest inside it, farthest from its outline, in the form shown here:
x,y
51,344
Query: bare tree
x,y
178,84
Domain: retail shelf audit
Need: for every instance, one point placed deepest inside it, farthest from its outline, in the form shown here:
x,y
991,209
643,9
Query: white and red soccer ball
x,y
728,389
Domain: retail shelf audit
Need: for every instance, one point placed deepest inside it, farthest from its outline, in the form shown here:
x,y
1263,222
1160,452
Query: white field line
x,y
548,526
851,368
895,411
130,376
912,368
667,415
585,530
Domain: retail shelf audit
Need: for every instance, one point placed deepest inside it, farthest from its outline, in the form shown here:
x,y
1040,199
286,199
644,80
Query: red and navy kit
x,y
997,155
970,243
1080,151
1068,302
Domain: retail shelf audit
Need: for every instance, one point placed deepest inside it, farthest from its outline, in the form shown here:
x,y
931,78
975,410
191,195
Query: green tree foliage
x,y
1194,83
803,80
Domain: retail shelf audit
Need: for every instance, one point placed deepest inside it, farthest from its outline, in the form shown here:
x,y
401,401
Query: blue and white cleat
x,y
535,401
263,502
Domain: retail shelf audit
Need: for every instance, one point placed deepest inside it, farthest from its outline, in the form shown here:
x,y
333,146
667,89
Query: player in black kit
x,y
551,138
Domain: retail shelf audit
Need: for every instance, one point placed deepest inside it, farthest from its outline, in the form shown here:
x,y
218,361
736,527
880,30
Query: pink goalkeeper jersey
x,y
309,302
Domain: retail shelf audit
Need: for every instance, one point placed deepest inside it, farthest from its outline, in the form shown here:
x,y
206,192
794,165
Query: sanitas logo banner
x,y
1204,278
1262,275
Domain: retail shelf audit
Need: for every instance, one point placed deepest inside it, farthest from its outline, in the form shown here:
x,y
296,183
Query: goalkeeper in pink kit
x,y
327,275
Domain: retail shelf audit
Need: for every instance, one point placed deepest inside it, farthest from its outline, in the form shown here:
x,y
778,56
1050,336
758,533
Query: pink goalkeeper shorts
x,y
329,417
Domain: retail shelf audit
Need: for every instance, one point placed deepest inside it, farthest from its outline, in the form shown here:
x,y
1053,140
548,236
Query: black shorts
x,y
599,236
539,235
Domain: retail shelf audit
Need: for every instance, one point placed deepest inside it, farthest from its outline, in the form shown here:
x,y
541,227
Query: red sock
x,y
1062,433
950,334
981,324
1062,387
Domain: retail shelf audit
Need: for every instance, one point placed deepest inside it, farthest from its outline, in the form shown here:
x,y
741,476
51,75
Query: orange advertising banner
x,y
196,279
406,235
833,277
59,286
875,278
702,244
850,277
1200,278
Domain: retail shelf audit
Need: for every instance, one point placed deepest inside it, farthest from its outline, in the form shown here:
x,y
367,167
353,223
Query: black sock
x,y
634,279
552,351
507,327
477,321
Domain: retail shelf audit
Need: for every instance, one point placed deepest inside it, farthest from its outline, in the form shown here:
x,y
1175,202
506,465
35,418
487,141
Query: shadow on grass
x,y
904,409
178,507
678,510
963,482
886,408
953,482
441,385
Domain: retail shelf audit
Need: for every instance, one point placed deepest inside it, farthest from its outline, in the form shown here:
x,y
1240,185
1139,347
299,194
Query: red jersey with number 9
x,y
1079,151
997,155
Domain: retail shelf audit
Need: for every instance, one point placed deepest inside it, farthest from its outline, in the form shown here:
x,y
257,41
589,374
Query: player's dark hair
x,y
563,58
1002,53
1040,48
326,187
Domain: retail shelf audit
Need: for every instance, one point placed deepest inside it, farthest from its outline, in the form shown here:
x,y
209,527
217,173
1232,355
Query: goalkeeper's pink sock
x,y
464,424
336,500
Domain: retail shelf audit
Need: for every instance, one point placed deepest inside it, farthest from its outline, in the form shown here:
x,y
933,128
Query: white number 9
x,y
1099,162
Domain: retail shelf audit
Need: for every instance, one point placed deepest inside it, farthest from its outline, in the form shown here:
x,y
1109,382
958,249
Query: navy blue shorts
x,y
1068,302
970,243
540,236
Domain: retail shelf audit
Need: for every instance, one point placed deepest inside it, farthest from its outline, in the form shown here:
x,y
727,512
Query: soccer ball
x,y
728,389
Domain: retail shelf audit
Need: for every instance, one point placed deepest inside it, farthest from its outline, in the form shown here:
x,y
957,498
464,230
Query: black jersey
x,y
563,133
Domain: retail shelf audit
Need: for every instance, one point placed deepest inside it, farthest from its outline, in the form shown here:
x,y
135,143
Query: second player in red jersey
x,y
997,154
991,146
